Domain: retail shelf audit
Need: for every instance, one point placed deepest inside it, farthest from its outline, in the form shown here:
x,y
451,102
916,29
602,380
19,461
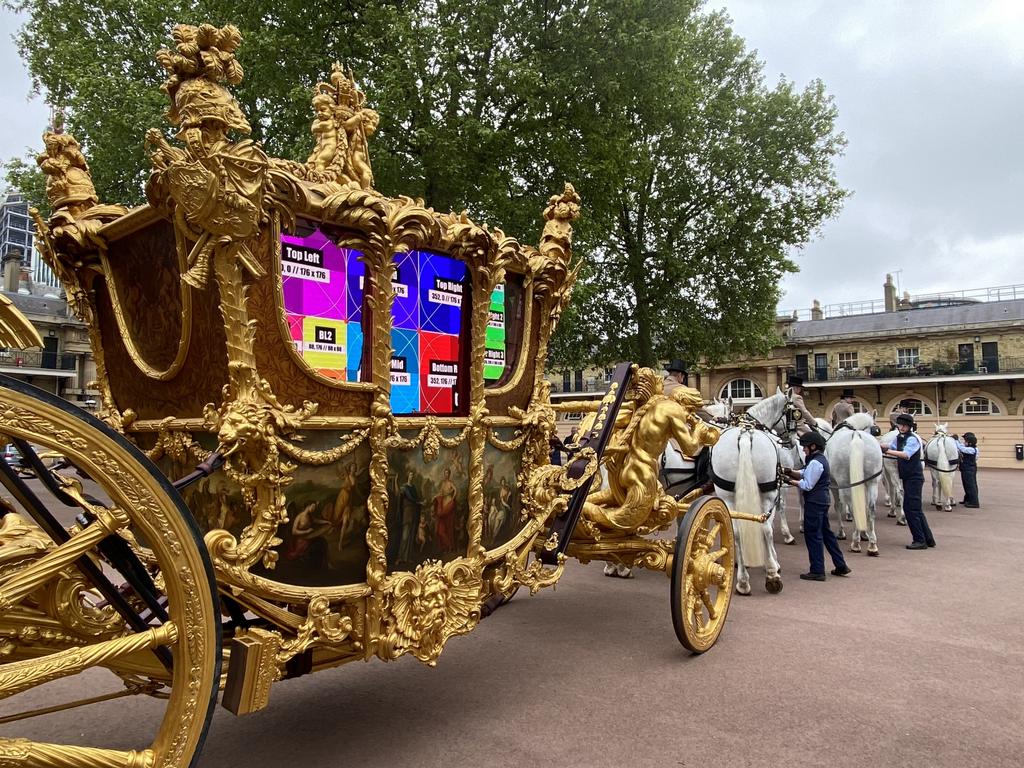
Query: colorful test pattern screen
x,y
425,333
323,303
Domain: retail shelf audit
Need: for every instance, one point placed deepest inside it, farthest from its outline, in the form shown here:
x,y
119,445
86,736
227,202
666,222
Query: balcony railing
x,y
985,365
17,358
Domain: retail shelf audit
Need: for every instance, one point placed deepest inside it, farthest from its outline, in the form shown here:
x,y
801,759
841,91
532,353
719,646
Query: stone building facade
x,y
957,358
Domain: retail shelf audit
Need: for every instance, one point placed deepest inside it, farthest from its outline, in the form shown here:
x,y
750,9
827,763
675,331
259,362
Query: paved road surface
x,y
917,659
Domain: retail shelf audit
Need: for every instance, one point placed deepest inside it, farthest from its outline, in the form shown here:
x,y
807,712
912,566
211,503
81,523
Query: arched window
x,y
859,407
742,389
916,407
977,405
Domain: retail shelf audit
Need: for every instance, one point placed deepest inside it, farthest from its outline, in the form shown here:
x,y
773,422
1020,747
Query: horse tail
x,y
748,499
859,491
945,476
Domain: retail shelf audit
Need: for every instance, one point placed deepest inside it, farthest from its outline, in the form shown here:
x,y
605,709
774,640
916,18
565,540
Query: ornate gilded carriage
x,y
347,394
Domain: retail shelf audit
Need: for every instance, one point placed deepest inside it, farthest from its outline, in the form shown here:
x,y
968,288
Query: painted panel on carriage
x,y
322,286
501,492
428,507
494,354
324,540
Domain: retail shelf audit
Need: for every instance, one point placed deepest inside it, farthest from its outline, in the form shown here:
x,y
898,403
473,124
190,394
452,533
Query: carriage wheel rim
x,y
142,500
703,574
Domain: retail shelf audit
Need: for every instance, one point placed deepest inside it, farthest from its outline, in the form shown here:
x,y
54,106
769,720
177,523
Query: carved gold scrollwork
x,y
425,608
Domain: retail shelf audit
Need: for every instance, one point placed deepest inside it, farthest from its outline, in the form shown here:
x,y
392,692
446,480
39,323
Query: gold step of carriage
x,y
324,433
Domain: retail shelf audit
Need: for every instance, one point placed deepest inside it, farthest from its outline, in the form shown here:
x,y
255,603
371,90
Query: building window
x,y
917,407
859,407
977,405
907,357
742,389
608,375
847,361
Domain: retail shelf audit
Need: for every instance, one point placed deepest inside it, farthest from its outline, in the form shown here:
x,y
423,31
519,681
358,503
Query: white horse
x,y
745,467
720,411
855,459
942,457
891,480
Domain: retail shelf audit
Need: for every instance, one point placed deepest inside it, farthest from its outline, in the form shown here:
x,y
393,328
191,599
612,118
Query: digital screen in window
x,y
494,353
427,321
323,298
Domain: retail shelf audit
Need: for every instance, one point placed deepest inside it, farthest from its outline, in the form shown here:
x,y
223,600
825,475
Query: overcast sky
x,y
930,96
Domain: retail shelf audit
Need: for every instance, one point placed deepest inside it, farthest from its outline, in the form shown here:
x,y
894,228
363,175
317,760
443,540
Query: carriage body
x,y
359,380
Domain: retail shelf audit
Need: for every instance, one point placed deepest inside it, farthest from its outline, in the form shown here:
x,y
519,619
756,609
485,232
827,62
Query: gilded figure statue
x,y
633,491
342,125
218,185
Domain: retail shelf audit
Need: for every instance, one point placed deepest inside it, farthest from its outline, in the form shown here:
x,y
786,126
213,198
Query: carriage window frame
x,y
977,405
515,310
304,227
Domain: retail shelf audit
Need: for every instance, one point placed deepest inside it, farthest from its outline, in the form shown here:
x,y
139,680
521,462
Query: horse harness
x,y
933,464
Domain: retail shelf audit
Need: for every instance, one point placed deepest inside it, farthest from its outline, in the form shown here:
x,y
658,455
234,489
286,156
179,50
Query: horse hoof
x,y
801,529
842,536
872,553
901,522
891,514
790,540
773,586
855,547
742,589
848,517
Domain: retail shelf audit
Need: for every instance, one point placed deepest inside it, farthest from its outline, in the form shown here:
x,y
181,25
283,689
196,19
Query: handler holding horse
x,y
814,482
907,450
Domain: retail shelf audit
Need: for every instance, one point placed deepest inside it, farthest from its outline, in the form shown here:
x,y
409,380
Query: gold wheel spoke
x,y
24,582
718,553
705,597
715,530
22,753
19,676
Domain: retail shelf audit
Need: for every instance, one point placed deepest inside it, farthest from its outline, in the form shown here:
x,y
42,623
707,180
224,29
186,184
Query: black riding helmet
x,y
906,418
813,438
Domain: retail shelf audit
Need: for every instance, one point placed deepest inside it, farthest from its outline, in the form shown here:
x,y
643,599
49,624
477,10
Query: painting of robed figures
x,y
502,509
428,507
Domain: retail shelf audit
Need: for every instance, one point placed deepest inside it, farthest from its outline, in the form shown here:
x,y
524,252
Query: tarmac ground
x,y
916,659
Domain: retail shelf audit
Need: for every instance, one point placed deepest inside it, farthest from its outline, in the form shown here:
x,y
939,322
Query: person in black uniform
x,y
813,482
907,450
968,448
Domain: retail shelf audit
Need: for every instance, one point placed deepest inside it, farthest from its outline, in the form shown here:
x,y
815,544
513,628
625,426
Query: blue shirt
x,y
965,449
811,475
912,446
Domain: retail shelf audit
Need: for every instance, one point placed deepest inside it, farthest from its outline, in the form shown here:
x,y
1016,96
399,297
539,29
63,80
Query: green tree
x,y
697,179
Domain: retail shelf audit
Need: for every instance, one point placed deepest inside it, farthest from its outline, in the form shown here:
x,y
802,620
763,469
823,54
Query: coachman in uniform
x,y
844,408
796,398
908,450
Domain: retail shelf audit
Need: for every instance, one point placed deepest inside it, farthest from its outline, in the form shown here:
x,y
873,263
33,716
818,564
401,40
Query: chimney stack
x,y
11,270
890,294
816,311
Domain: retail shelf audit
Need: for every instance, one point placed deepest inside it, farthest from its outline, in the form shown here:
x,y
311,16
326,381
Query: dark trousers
x,y
916,520
969,477
818,537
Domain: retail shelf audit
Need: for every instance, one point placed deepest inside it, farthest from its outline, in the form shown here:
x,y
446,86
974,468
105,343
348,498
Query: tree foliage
x,y
697,179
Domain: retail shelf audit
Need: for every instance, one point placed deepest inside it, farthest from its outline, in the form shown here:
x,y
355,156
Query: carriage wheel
x,y
106,591
702,573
